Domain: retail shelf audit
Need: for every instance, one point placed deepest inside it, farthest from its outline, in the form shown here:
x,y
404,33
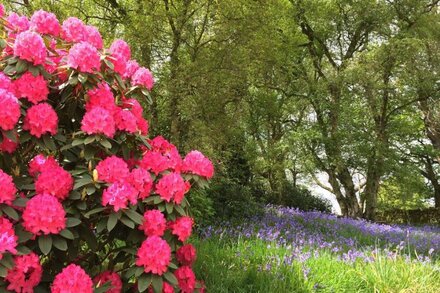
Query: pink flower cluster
x,y
154,255
143,77
34,88
186,278
113,278
163,156
195,162
118,195
9,111
154,223
74,30
186,255
30,46
8,239
182,228
7,187
84,57
54,181
120,53
72,279
172,186
41,119
44,214
45,23
26,274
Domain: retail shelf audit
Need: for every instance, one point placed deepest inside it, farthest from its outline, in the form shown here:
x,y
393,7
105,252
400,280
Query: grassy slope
x,y
242,266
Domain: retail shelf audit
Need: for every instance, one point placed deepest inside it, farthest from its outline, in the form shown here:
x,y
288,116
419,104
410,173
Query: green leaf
x,y
20,202
66,233
103,287
144,282
169,207
157,284
60,243
23,235
48,141
11,212
105,143
3,272
89,139
23,250
136,217
34,70
7,261
112,221
45,243
78,141
94,211
73,80
21,66
169,276
72,222
127,222
180,210
82,182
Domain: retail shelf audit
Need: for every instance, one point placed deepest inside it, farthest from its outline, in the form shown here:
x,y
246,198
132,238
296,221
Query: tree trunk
x,y
372,188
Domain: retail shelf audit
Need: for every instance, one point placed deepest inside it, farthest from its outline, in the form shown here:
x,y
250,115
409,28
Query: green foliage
x,y
232,201
301,198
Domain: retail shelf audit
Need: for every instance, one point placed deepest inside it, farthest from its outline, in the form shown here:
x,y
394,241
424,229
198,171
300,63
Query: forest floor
x,y
285,250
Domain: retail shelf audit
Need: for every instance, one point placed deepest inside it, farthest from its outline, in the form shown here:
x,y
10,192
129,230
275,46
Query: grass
x,y
252,265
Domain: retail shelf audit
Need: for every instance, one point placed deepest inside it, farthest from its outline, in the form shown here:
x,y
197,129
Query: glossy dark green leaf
x,y
45,243
111,222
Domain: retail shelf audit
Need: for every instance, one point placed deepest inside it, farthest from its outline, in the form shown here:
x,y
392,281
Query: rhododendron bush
x,y
88,202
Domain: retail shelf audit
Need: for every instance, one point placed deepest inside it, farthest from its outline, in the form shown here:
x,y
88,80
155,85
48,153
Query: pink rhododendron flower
x,y
142,126
8,146
30,46
172,186
41,119
7,187
118,195
26,273
2,10
186,278
112,169
73,30
143,77
8,239
154,223
141,181
9,111
93,37
154,255
6,83
98,121
186,255
54,181
17,23
168,150
44,213
167,288
154,161
41,163
72,279
125,120
34,88
120,52
134,106
45,23
101,96
195,162
182,228
130,68
84,57
113,278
